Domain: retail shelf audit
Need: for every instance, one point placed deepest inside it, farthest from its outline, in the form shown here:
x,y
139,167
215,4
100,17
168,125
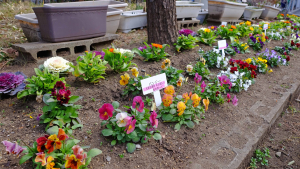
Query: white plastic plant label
x,y
266,26
153,85
222,44
244,0
224,23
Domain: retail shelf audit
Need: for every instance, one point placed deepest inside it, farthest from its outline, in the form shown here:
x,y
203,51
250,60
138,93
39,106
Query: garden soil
x,y
176,149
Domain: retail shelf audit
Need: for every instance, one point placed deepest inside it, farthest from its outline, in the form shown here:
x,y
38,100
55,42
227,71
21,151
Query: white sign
x,y
153,85
224,23
222,45
266,26
244,0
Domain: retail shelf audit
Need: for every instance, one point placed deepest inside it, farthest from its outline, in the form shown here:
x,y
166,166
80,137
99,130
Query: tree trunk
x,y
162,21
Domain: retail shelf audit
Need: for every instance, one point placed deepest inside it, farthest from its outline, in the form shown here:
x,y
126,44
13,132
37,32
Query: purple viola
x,y
101,53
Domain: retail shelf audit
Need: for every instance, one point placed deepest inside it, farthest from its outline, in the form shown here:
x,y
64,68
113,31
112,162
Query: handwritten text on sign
x,y
154,83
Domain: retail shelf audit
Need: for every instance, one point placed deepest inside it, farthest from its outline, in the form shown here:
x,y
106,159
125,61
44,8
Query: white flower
x,y
56,64
233,77
233,84
189,68
122,119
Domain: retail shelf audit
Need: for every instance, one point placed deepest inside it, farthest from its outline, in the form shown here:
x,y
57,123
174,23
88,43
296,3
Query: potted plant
x,y
222,10
254,10
271,10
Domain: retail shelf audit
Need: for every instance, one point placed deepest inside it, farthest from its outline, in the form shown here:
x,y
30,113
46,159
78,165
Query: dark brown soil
x,y
177,149
284,137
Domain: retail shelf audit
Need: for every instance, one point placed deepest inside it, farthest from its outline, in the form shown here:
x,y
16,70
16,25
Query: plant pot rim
x,y
268,6
188,3
137,13
252,8
228,2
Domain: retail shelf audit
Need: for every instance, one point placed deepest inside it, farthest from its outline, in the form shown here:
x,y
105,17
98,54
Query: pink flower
x,y
197,78
130,126
153,120
235,101
13,148
78,152
138,103
228,97
38,117
106,111
203,85
225,80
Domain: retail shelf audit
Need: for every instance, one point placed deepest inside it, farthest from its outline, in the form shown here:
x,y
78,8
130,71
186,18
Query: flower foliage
x,y
12,83
185,42
136,125
153,52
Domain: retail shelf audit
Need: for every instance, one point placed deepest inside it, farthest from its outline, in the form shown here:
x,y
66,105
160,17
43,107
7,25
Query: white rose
x,y
56,64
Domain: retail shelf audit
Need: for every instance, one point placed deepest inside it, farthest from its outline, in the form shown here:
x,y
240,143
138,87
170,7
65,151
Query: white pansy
x,y
121,117
233,84
233,77
57,64
189,68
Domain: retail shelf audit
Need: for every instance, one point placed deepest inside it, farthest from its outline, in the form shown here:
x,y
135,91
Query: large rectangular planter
x,y
31,29
251,12
270,12
186,9
132,19
221,10
201,16
71,23
110,4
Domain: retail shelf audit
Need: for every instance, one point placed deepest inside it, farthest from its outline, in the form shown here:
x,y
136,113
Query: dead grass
x,y
10,30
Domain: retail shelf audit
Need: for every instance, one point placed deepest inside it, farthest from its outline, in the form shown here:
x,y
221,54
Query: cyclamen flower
x,y
153,120
203,85
235,101
130,126
13,148
197,78
138,103
123,119
106,111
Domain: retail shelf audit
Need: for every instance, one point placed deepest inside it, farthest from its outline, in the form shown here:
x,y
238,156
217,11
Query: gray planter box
x,y
221,10
270,12
132,19
201,16
251,12
186,9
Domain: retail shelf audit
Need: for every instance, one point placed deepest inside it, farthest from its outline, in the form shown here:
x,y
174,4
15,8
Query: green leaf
x,y
190,124
94,152
136,139
177,126
74,99
130,147
114,142
77,126
115,104
70,144
132,135
107,132
52,130
173,111
157,136
167,117
25,158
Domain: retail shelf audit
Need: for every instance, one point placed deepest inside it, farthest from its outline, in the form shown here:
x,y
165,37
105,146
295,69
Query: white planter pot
x,y
186,9
270,12
113,17
252,13
221,10
132,19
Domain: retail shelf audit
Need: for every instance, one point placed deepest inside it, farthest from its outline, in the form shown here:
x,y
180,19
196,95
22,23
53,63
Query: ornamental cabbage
x,y
12,83
57,64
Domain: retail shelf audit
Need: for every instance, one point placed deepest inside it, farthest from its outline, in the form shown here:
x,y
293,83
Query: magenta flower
x,y
225,80
228,97
203,85
130,126
38,117
235,101
138,103
13,148
106,111
197,78
153,120
101,53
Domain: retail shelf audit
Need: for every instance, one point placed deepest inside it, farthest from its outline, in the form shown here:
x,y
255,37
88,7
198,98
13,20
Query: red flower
x,y
285,53
292,27
298,45
292,43
253,74
63,96
41,143
295,29
106,111
253,67
233,69
217,93
267,37
288,58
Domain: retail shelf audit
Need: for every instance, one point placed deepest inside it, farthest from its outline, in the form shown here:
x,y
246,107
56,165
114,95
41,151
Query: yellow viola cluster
x,y
166,63
125,78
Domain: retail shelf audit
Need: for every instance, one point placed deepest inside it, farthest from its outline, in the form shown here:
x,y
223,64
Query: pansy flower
x,y
130,126
167,100
41,147
169,90
106,111
138,103
153,120
54,141
72,162
180,108
13,148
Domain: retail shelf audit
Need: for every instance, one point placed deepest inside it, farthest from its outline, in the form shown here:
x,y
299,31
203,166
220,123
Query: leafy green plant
x,y
138,124
207,36
200,68
153,52
260,157
172,74
185,42
214,59
89,67
256,43
184,110
118,61
60,109
212,91
148,101
134,86
228,32
40,84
